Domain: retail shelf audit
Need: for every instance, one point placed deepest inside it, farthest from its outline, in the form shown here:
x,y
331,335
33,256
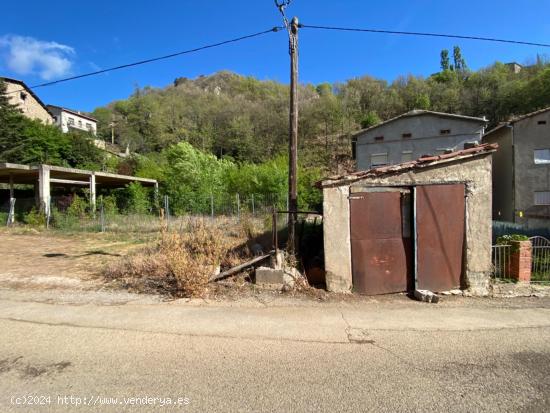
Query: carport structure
x,y
43,177
423,224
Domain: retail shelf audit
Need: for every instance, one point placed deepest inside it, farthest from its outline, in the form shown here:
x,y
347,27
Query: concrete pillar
x,y
44,188
92,192
521,261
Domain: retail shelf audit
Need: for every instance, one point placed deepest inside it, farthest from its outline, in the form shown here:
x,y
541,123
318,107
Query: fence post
x,y
212,205
48,212
253,212
167,210
238,207
11,214
102,217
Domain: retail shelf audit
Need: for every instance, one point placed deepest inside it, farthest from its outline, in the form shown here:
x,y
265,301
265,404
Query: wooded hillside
x,y
231,115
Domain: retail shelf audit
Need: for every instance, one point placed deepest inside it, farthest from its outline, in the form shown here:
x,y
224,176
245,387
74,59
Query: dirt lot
x,y
46,260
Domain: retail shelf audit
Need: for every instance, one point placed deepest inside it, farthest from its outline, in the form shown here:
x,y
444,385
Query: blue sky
x,y
44,41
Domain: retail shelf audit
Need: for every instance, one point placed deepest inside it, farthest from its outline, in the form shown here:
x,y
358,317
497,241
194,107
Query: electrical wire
x,y
452,36
154,59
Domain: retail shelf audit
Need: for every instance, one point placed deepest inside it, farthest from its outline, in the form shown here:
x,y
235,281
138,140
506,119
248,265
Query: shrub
x,y
78,207
507,239
35,218
180,263
138,201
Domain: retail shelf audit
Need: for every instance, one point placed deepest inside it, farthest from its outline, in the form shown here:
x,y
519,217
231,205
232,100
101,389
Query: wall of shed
x,y
474,172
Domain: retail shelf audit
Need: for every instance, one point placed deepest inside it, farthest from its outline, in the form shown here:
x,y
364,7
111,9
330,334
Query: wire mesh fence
x,y
74,213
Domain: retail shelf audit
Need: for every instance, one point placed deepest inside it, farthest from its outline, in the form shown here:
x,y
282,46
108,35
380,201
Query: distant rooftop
x,y
74,112
420,112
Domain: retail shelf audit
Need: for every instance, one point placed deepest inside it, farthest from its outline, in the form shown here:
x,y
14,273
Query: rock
x,y
426,296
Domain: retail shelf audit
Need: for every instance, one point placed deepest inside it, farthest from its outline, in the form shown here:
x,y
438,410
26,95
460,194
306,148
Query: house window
x,y
542,198
378,159
445,132
70,121
89,126
23,96
542,156
378,138
541,122
79,123
406,156
406,135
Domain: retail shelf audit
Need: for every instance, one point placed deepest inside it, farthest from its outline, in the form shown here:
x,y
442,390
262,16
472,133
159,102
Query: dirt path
x,y
54,261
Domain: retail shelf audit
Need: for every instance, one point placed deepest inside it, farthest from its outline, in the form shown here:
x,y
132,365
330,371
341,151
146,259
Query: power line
x,y
452,36
154,59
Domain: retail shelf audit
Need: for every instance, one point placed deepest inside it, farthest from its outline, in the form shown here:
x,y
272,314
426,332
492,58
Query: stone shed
x,y
423,224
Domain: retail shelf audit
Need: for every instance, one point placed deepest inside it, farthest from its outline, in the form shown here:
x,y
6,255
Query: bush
x,y
78,208
507,239
35,218
180,264
138,200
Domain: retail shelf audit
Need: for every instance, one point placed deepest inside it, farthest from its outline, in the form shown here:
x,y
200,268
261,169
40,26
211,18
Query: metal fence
x,y
540,250
501,255
174,212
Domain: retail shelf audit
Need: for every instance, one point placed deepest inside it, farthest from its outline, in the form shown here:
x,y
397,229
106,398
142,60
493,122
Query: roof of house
x,y
418,112
420,163
516,119
74,112
27,89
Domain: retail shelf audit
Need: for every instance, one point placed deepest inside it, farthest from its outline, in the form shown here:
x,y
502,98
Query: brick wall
x,y
520,261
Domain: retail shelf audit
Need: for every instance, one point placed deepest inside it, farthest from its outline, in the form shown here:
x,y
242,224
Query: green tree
x,y
444,62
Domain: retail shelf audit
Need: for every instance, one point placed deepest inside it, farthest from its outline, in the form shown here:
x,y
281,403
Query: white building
x,y
67,119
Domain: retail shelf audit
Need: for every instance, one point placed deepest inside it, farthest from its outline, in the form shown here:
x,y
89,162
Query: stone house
x,y
414,134
521,169
27,101
67,119
422,224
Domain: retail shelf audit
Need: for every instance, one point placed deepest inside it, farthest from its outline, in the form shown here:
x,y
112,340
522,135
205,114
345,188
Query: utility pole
x,y
292,29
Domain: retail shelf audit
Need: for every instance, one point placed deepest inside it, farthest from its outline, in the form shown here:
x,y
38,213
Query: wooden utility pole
x,y
292,199
293,136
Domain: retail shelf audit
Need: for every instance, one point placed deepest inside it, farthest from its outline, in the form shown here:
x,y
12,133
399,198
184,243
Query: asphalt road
x,y
390,355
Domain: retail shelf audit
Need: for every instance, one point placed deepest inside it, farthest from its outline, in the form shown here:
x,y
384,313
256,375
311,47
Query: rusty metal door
x,y
440,213
381,254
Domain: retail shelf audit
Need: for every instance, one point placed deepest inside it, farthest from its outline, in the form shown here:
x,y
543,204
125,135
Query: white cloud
x,y
27,55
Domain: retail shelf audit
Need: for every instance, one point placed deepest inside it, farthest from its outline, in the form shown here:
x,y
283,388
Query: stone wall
x,y
29,106
474,172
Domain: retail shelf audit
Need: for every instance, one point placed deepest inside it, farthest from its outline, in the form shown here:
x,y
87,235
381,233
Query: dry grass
x,y
181,263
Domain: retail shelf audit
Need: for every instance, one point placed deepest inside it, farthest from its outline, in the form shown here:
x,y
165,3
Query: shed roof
x,y
418,112
420,163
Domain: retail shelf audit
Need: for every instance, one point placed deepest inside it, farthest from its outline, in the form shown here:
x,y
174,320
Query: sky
x,y
41,41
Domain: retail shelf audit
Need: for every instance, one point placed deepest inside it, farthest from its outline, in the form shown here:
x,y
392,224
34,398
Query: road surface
x,y
106,353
